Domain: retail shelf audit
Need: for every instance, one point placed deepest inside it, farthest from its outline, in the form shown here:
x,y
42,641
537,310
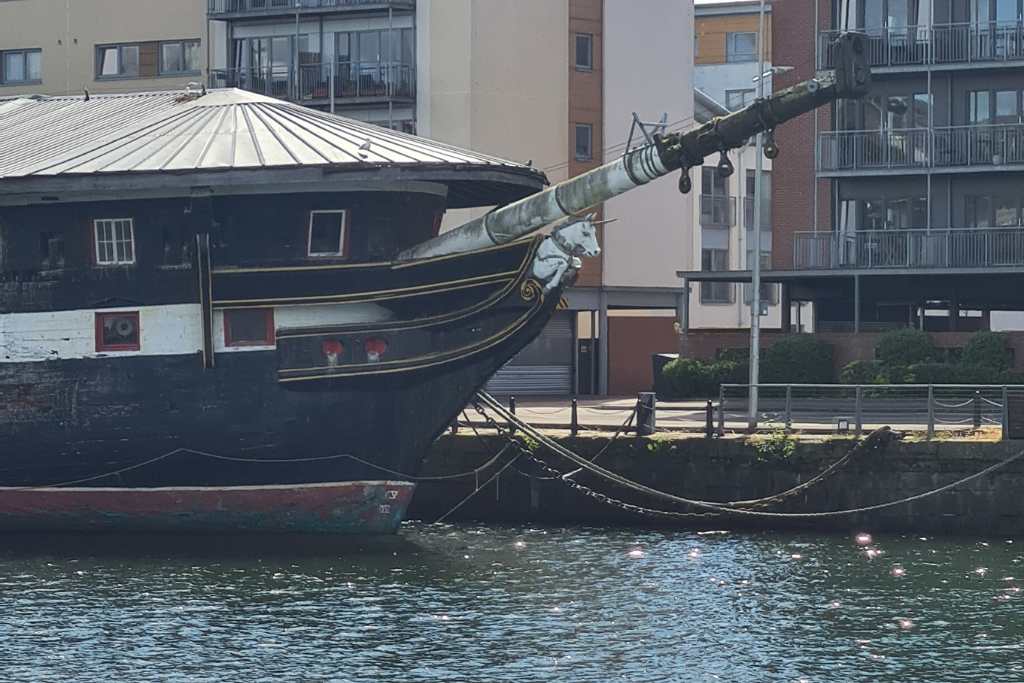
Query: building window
x,y
118,331
740,47
769,291
249,327
21,66
737,99
584,142
327,232
115,241
715,292
584,52
179,57
117,61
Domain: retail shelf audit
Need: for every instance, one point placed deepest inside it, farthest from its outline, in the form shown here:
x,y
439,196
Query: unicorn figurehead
x,y
558,257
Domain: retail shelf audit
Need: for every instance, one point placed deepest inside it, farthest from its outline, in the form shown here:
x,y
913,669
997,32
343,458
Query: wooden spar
x,y
666,154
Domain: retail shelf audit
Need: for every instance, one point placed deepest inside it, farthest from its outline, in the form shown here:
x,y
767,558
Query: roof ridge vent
x,y
193,91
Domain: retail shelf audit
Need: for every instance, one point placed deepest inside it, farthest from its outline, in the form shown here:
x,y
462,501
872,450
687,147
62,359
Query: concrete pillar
x,y
602,344
785,309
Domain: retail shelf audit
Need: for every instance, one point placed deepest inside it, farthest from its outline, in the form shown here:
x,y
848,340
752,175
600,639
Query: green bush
x,y
987,350
694,378
860,372
934,373
902,348
798,359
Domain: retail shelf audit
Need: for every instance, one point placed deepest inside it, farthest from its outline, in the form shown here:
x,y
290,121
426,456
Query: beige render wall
x,y
68,31
648,58
493,76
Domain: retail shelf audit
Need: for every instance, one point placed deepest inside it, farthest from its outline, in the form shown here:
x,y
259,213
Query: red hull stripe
x,y
356,507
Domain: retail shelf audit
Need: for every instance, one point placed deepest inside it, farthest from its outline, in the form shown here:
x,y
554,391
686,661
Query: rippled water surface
x,y
484,603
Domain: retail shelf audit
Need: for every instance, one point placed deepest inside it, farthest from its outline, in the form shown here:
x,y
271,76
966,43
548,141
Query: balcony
x,y
914,249
952,45
981,146
717,211
224,9
748,214
354,83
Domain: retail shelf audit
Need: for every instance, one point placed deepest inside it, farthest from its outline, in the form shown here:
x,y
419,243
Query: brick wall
x,y
793,180
631,343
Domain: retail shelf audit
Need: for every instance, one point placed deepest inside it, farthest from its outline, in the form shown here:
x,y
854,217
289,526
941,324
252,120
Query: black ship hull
x,y
288,416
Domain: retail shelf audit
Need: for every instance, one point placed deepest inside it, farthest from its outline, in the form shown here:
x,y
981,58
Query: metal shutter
x,y
543,367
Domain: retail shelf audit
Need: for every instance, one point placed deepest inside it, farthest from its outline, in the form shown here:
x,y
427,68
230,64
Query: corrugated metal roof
x,y
222,130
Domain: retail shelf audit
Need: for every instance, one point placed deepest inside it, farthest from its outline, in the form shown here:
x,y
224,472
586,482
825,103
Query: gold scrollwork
x,y
530,290
563,304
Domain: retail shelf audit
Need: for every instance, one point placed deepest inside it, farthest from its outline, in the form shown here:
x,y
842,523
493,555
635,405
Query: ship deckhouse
x,y
175,223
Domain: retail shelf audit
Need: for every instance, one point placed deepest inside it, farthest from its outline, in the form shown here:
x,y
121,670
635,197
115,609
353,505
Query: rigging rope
x,y
718,507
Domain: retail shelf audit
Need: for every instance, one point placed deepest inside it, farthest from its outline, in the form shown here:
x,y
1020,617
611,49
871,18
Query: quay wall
x,y
738,469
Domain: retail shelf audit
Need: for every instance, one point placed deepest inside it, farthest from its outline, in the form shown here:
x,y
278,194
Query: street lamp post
x,y
755,267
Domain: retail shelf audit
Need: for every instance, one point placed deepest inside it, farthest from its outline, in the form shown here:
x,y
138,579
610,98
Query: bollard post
x,y
1006,415
931,413
789,408
512,409
721,410
574,424
709,420
858,410
646,404
977,409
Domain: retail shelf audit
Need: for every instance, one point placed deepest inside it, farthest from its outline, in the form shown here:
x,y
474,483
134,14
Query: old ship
x,y
222,311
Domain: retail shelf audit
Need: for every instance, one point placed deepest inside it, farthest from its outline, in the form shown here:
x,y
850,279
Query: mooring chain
x,y
573,484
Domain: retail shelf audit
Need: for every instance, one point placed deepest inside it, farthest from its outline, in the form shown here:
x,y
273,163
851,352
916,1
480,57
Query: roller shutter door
x,y
543,367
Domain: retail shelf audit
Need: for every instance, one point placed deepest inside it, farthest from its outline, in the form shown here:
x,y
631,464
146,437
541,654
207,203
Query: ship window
x,y
249,327
117,331
327,233
115,241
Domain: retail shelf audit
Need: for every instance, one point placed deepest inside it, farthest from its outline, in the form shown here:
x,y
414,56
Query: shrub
x,y
694,378
799,359
905,347
934,373
860,372
988,350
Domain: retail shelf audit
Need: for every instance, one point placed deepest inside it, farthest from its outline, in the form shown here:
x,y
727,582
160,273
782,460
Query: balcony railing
x,y
917,248
913,148
748,215
717,211
965,43
216,7
312,82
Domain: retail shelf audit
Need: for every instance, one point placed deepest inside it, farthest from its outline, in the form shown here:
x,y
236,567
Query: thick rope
x,y
716,507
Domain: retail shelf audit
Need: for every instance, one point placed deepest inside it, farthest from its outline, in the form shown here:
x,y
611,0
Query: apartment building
x,y
725,73
904,208
56,47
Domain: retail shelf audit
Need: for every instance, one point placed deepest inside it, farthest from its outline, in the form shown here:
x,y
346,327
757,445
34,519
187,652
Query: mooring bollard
x,y
977,409
574,424
511,409
709,420
646,404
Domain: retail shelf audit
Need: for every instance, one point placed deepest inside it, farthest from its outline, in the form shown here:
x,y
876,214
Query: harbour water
x,y
490,603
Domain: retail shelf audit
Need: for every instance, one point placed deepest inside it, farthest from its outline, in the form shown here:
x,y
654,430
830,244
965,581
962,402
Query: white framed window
x,y
21,66
115,241
179,57
584,142
584,51
328,230
117,61
740,47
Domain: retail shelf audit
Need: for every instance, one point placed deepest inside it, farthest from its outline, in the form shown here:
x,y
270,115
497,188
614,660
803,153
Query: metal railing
x,y
717,211
857,408
994,144
917,248
313,81
215,7
960,43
